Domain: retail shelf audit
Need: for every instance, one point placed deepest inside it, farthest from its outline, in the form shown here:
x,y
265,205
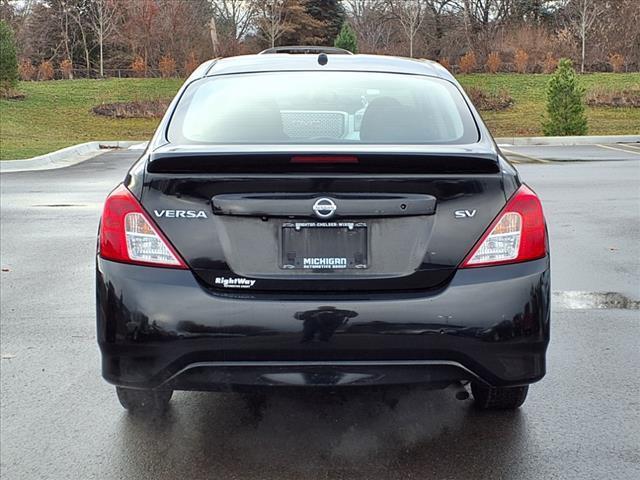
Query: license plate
x,y
324,246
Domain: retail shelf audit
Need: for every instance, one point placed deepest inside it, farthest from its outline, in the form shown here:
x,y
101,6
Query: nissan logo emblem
x,y
324,208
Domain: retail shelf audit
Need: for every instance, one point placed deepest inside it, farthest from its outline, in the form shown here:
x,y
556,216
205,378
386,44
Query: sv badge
x,y
465,213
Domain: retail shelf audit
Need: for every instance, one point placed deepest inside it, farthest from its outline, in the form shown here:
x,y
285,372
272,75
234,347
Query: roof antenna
x,y
323,59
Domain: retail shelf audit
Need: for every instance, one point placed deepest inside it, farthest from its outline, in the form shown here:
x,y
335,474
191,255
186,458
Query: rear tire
x,y
498,398
152,402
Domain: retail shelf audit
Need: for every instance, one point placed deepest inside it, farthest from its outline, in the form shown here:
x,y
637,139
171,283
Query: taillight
x,y
518,234
128,235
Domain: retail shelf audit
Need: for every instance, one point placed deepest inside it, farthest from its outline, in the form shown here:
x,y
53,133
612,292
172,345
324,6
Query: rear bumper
x,y
161,328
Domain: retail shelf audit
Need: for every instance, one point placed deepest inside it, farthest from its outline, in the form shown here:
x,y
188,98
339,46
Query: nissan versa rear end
x,y
322,221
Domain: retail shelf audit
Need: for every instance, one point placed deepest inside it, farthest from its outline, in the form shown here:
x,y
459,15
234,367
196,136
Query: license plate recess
x,y
324,246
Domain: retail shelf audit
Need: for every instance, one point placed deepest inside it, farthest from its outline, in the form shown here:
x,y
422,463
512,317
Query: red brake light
x,y
518,234
324,159
127,234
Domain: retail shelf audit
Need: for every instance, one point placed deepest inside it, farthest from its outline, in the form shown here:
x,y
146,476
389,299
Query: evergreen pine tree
x,y
347,39
8,60
329,14
565,103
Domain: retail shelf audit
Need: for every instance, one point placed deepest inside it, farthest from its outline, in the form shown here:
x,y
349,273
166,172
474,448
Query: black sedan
x,y
322,220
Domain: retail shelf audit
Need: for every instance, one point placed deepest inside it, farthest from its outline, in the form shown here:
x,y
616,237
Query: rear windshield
x,y
322,108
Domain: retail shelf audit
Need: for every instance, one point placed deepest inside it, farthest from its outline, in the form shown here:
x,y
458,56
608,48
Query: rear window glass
x,y
322,108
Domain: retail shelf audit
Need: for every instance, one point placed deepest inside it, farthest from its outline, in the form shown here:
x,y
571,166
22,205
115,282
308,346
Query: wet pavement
x,y
594,300
60,420
573,153
593,216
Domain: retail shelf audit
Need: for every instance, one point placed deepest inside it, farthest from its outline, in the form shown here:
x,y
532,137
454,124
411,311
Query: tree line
x,y
94,38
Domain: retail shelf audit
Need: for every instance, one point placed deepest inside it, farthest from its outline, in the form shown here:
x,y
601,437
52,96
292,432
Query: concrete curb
x,y
567,141
64,157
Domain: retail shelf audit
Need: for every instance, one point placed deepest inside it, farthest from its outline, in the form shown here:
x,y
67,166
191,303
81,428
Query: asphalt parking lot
x,y
61,420
572,153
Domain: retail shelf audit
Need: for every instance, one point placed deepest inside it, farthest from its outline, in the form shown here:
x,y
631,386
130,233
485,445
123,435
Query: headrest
x,y
386,120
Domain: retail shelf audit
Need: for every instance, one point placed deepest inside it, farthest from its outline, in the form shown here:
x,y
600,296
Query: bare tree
x,y
74,31
581,15
618,32
215,41
63,16
274,18
77,14
439,9
103,20
483,12
410,14
17,14
478,11
370,20
233,18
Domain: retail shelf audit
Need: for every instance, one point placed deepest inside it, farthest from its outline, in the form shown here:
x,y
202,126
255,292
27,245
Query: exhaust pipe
x,y
461,391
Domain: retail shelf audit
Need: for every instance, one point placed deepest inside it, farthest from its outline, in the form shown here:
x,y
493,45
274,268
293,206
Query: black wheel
x,y
144,401
498,398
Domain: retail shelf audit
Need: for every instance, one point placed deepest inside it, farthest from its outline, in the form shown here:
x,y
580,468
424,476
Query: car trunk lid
x,y
322,220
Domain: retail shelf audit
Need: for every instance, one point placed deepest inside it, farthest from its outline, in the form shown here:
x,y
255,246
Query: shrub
x,y
550,63
493,62
468,62
190,64
139,66
521,61
490,101
445,63
66,67
27,70
347,39
167,66
603,97
8,60
617,62
135,109
565,103
45,70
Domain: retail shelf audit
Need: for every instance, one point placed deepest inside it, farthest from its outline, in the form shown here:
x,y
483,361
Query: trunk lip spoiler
x,y
485,150
191,159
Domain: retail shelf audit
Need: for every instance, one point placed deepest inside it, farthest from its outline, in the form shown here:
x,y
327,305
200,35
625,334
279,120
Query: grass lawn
x,y
523,119
57,114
